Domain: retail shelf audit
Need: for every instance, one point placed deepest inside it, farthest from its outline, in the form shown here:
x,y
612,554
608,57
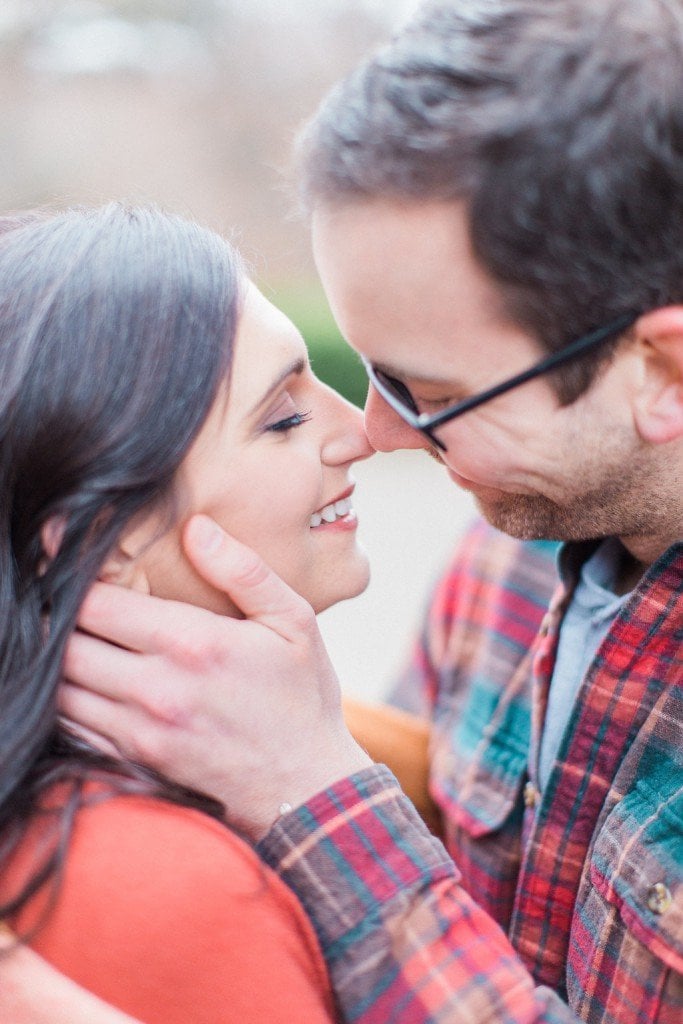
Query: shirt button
x,y
530,795
659,898
545,625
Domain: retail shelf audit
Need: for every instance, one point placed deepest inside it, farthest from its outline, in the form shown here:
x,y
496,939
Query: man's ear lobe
x,y
659,401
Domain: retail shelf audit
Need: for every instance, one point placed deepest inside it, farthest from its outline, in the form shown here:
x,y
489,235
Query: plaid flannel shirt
x,y
563,906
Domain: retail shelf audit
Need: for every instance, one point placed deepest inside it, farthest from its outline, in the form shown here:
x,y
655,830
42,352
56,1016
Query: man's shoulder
x,y
494,593
486,557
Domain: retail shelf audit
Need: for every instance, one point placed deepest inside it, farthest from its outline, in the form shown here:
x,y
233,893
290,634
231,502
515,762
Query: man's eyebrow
x,y
418,378
295,368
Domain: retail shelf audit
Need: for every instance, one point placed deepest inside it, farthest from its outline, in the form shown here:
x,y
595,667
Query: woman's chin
x,y
344,588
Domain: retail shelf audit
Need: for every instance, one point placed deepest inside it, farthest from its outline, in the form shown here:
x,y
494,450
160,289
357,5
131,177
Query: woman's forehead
x,y
267,346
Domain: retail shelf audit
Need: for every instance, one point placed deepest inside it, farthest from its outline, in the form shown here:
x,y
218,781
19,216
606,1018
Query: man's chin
x,y
527,517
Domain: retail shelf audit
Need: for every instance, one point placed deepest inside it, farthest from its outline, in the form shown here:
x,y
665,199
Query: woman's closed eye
x,y
284,415
288,423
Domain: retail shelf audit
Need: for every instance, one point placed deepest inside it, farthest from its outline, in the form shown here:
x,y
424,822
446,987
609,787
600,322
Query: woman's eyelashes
x,y
288,423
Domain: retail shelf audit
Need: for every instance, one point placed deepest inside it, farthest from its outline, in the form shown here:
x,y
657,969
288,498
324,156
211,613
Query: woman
x,y
144,379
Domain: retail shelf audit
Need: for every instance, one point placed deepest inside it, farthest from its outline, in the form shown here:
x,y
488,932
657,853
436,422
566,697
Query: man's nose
x,y
386,431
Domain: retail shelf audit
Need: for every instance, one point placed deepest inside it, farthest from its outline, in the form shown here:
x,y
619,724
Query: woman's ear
x,y
122,568
124,564
51,533
659,401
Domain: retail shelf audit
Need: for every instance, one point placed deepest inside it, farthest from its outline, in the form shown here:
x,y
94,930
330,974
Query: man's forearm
x,y
402,939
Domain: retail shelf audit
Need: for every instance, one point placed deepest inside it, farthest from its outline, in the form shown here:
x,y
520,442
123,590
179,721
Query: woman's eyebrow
x,y
295,368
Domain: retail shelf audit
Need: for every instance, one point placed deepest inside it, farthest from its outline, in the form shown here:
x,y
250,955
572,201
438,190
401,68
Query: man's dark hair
x,y
558,122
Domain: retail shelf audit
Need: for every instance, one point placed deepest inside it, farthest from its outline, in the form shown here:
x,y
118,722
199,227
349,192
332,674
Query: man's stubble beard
x,y
626,503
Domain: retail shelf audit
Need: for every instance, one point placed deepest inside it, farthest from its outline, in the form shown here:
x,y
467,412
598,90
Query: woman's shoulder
x,y
132,847
147,882
160,836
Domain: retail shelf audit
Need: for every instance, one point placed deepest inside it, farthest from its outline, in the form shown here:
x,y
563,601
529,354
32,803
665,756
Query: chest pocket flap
x,y
637,861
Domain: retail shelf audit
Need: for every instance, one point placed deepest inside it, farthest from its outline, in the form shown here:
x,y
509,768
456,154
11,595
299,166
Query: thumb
x,y
238,571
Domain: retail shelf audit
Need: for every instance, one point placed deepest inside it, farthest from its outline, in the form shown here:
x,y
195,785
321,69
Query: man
x,y
497,218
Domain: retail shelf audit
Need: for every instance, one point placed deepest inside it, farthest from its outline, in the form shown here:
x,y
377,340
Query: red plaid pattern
x,y
570,907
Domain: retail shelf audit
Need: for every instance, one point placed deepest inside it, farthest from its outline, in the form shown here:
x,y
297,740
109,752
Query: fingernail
x,y
207,534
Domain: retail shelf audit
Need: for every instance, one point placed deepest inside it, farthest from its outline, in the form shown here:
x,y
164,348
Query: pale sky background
x,y
193,104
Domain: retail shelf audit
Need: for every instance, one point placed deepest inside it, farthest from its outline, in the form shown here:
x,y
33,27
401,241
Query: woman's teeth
x,y
331,512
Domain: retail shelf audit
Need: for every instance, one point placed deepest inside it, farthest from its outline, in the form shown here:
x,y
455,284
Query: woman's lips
x,y
336,513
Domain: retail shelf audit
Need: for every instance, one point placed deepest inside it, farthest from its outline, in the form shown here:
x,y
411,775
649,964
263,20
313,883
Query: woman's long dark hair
x,y
116,330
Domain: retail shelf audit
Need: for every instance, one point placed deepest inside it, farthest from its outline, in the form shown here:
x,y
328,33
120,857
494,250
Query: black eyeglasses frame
x,y
426,424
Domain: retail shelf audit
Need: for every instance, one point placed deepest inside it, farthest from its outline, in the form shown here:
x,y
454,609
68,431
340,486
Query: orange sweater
x,y
171,917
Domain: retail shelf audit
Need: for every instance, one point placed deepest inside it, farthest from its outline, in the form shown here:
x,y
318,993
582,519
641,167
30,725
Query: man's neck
x,y
639,554
630,572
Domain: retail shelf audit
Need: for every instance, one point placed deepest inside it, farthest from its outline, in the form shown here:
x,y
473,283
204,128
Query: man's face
x,y
408,293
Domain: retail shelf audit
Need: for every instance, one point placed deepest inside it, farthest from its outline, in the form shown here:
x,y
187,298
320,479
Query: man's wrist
x,y
331,802
302,783
362,827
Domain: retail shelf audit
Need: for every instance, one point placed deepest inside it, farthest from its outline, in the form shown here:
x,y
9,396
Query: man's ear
x,y
658,404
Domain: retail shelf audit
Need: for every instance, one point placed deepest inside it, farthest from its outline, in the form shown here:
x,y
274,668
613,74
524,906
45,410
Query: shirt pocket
x,y
637,866
628,929
479,756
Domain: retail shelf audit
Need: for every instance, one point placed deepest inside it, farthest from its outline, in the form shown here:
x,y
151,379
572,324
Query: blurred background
x,y
194,106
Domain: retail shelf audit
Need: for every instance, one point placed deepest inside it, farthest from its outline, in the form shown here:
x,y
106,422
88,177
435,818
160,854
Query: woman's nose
x,y
347,441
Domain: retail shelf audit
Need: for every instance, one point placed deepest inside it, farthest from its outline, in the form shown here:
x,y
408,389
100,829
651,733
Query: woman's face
x,y
271,465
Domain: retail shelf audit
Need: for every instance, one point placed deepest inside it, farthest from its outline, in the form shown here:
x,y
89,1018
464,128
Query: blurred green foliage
x,y
331,358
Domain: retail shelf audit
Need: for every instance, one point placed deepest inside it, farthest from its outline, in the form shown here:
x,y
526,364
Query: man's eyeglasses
x,y
398,396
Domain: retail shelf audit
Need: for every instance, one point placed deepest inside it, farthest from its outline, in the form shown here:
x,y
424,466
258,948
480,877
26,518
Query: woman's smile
x,y
337,513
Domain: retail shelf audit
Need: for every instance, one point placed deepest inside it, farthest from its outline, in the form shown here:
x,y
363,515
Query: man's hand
x,y
248,710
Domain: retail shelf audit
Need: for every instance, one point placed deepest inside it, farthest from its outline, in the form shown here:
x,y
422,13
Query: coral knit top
x,y
169,916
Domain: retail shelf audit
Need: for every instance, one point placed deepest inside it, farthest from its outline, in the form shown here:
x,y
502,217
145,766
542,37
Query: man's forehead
x,y
412,247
